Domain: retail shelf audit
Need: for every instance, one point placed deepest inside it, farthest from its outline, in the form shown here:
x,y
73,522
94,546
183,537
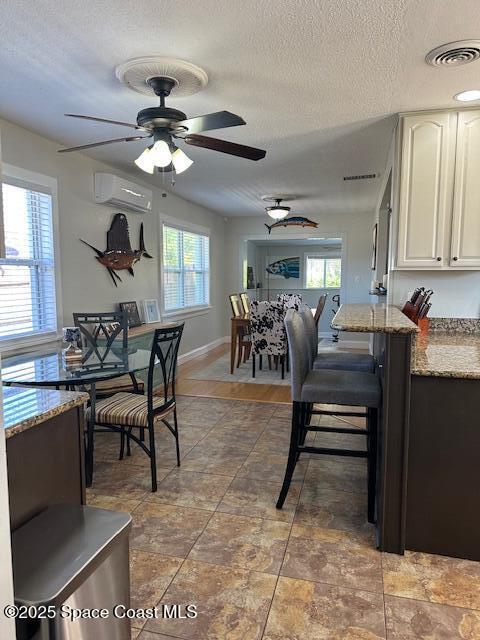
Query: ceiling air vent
x,y
365,176
454,54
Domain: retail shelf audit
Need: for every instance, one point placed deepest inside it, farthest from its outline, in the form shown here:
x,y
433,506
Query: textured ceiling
x,y
316,80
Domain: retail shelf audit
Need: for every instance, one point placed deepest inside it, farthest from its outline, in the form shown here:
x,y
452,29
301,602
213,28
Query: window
x,y
323,273
27,274
186,269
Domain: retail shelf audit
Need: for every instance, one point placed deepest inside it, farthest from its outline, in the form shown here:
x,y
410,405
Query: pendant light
x,y
277,211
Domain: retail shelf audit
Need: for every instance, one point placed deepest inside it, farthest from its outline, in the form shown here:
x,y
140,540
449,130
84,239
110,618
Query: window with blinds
x,y
27,274
186,269
323,273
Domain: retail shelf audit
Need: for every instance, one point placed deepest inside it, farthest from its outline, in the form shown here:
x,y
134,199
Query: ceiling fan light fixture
x,y
468,96
161,154
277,212
181,161
145,161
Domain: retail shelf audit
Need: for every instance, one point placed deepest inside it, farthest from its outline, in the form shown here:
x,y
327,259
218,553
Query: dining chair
x,y
290,300
105,330
124,412
243,333
327,387
320,306
245,301
267,332
236,304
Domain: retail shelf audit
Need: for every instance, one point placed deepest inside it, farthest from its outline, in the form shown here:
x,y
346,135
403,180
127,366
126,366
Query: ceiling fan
x,y
165,125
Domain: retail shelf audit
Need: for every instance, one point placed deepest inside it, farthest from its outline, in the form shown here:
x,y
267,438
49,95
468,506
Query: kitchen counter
x,y
446,354
25,408
372,318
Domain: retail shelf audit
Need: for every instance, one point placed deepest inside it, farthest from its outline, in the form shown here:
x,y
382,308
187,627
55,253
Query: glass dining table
x,y
48,368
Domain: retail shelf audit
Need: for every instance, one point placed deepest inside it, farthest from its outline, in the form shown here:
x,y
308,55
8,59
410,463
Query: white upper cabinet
x,y
425,188
465,245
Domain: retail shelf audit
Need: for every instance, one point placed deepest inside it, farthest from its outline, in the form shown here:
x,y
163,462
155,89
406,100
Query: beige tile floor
x,y
211,536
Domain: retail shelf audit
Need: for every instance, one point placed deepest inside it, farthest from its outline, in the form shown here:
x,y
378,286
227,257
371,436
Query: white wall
x,y
86,285
354,229
456,293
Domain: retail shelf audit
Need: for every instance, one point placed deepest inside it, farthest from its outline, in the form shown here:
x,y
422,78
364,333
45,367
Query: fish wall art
x,y
284,268
119,254
292,221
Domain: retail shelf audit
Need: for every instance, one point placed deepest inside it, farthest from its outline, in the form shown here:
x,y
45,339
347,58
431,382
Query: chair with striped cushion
x,y
105,330
125,412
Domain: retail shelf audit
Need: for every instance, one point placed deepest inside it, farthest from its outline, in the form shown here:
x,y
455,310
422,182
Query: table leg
x,y
233,346
89,440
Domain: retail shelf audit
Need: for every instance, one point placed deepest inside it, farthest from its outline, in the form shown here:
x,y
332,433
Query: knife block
x,y
424,325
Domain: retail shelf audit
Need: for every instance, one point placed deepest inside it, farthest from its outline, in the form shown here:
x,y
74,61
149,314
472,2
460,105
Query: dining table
x,y
49,368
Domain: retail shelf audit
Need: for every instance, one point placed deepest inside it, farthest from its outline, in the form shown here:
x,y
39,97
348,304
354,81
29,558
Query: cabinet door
x,y
426,181
465,250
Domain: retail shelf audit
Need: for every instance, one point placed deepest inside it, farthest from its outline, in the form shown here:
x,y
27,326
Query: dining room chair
x,y
236,305
124,412
267,332
290,300
101,332
320,307
245,301
243,333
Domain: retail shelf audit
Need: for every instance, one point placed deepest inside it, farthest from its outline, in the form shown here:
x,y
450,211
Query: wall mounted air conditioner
x,y
110,189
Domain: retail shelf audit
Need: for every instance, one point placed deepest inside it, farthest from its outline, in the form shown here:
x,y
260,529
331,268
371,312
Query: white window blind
x,y
323,273
186,269
27,274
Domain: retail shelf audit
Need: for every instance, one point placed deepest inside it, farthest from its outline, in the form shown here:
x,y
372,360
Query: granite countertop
x,y
24,408
447,354
372,318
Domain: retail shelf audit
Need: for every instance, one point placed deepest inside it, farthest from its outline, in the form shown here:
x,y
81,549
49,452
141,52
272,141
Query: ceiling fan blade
x,y
99,144
122,124
232,148
218,120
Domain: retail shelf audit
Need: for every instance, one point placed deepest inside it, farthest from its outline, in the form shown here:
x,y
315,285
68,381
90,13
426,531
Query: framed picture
x,y
131,309
283,267
374,247
150,311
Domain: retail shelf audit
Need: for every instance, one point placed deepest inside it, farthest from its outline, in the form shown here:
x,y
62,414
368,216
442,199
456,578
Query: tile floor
x,y
211,536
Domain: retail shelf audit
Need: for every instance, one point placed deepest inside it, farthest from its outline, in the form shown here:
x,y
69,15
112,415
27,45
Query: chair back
x,y
290,300
245,300
235,303
104,329
320,307
267,329
299,352
163,358
311,330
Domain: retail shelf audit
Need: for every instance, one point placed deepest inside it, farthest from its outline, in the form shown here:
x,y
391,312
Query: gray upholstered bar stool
x,y
343,360
326,386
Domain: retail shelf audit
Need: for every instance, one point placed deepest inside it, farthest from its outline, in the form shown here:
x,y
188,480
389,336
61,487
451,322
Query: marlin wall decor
x,y
119,254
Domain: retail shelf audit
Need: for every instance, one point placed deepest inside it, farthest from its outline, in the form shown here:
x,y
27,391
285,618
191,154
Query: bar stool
x,y
337,360
326,386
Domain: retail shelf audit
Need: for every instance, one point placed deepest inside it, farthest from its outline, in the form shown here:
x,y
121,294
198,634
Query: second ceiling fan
x,y
166,125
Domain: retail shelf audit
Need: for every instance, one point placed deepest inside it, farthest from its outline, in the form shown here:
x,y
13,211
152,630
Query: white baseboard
x,y
199,351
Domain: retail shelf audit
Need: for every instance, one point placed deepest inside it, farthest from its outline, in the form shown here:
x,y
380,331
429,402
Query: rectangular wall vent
x,y
365,176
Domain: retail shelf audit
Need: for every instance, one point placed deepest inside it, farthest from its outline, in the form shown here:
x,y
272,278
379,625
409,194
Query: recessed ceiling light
x,y
468,96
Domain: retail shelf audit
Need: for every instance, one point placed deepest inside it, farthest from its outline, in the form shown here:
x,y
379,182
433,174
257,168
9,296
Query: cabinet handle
x,y
455,258
439,259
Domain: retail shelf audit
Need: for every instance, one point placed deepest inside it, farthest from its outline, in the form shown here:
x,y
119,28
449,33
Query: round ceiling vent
x,y
454,54
188,78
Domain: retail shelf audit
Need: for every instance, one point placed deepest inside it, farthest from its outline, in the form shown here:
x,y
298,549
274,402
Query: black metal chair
x,y
124,412
107,330
325,386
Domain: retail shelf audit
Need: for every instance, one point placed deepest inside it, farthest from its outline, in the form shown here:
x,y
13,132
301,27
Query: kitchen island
x,y
428,496
443,470
44,441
